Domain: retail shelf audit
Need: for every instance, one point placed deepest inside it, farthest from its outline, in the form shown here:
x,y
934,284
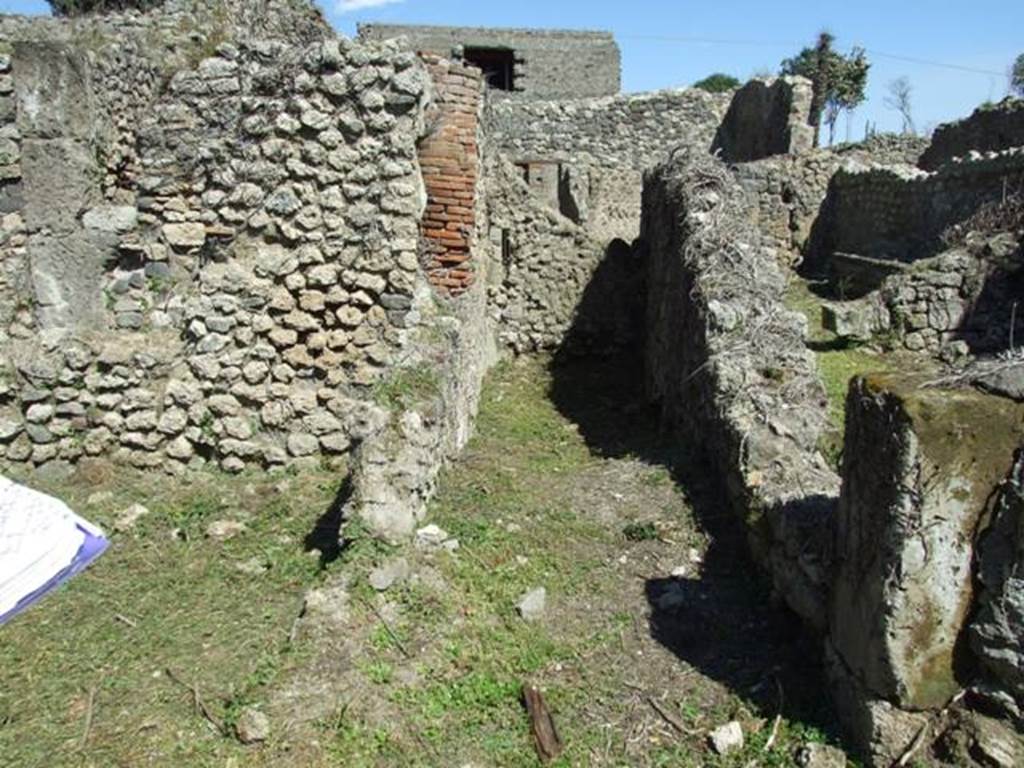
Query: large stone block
x,y
920,465
61,179
67,273
860,320
997,634
53,92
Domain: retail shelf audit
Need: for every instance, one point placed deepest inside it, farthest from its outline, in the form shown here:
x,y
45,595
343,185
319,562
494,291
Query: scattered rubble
x,y
727,738
127,518
389,574
532,604
253,726
224,530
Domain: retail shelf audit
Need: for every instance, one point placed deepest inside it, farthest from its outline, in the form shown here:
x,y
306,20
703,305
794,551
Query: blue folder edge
x,y
91,548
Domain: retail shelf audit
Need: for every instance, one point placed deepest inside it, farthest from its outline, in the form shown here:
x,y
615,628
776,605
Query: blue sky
x,y
675,42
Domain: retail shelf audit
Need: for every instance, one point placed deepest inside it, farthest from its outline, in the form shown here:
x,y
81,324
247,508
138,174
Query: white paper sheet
x,y
39,538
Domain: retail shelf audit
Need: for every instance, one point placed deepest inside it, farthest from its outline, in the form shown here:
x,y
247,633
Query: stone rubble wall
x,y
449,159
956,303
962,296
990,128
180,29
883,570
765,118
596,201
399,454
885,149
563,229
260,281
635,131
728,365
548,64
75,115
542,262
130,55
792,188
900,213
789,191
583,160
603,199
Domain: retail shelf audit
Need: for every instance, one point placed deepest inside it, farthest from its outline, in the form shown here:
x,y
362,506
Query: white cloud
x,y
347,6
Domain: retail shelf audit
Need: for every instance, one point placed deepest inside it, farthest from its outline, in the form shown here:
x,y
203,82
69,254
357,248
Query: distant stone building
x,y
521,63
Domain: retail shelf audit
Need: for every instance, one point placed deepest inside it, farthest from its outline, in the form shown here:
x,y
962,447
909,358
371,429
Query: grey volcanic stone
x,y
185,235
111,218
531,606
253,726
302,444
390,573
904,586
9,429
997,634
727,738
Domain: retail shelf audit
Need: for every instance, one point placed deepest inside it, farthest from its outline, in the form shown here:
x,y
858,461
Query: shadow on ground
x,y
723,623
325,536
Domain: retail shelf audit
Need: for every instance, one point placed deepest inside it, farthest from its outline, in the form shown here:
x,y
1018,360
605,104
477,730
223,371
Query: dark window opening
x,y
498,65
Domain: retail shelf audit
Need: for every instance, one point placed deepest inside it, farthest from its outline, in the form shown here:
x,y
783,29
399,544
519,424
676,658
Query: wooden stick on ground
x,y
387,628
198,704
778,718
668,717
545,736
773,735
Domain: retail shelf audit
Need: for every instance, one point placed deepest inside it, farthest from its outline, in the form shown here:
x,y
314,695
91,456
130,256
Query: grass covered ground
x,y
838,361
87,676
566,485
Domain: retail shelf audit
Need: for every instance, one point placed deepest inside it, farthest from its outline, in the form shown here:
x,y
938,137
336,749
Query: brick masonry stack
x,y
450,164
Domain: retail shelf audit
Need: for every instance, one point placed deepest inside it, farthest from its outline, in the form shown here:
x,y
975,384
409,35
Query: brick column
x,y
450,163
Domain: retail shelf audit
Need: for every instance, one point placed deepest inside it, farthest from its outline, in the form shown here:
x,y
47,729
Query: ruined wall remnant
x,y
398,456
788,191
881,570
520,63
253,269
57,117
542,264
899,213
563,230
564,203
728,365
989,129
449,159
917,475
964,295
637,131
957,302
765,118
212,249
884,149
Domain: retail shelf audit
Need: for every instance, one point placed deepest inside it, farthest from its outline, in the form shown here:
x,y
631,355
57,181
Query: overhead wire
x,y
791,44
